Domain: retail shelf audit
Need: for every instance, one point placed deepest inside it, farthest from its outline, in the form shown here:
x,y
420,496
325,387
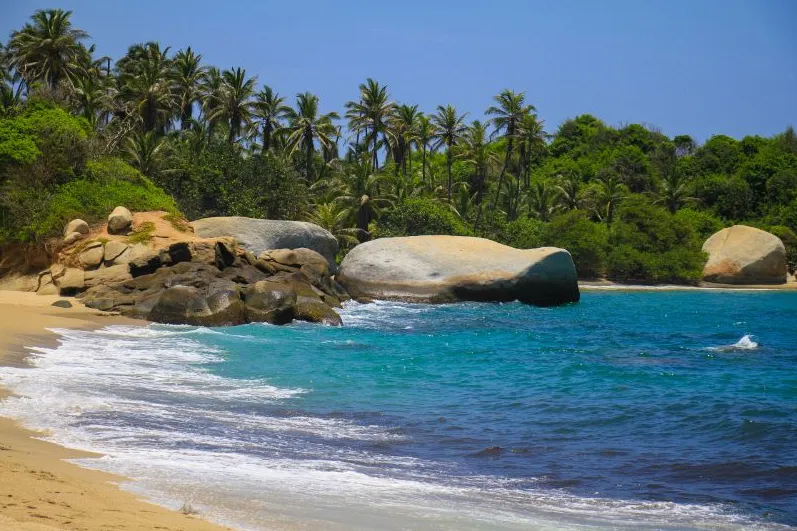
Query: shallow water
x,y
659,410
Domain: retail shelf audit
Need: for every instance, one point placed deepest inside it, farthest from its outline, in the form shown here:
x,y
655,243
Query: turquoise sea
x,y
628,410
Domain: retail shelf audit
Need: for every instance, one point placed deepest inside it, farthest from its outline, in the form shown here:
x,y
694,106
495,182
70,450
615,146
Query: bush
x,y
524,233
650,244
702,223
585,239
41,215
416,217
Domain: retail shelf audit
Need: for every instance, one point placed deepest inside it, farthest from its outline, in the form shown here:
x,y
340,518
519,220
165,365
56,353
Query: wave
x,y
747,342
142,397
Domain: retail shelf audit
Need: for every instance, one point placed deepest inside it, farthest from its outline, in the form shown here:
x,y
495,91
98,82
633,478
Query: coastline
x,y
599,285
39,489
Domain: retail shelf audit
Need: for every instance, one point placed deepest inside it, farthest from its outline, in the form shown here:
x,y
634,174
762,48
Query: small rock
x,y
76,225
72,237
62,304
120,221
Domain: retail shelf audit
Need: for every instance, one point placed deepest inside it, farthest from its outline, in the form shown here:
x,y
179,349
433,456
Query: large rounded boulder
x,y
258,235
120,221
744,255
454,268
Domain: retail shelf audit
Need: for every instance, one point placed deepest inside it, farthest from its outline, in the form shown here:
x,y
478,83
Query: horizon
x,y
722,84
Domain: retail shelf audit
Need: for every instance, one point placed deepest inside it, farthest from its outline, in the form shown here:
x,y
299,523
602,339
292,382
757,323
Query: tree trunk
x,y
448,165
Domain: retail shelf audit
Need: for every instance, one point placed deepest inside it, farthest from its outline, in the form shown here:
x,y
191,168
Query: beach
x,y
39,489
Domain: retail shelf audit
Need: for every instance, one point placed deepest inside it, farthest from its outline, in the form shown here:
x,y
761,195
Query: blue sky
x,y
699,67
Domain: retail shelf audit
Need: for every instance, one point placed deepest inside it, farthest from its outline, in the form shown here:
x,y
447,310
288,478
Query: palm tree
x,y
610,191
674,191
357,188
450,130
532,139
269,110
542,200
305,126
402,125
424,132
334,218
235,107
145,81
187,74
143,152
508,115
570,188
369,115
477,153
211,87
47,48
92,99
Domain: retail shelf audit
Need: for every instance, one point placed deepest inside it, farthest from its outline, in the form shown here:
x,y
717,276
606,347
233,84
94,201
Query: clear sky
x,y
698,67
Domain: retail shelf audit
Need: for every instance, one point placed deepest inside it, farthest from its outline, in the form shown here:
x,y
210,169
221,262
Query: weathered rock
x,y
113,250
452,268
72,237
91,256
258,235
745,255
62,304
76,225
312,266
271,302
45,285
70,281
106,275
316,311
120,221
143,260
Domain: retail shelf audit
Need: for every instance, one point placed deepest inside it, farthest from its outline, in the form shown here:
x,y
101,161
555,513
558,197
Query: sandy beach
x,y
39,490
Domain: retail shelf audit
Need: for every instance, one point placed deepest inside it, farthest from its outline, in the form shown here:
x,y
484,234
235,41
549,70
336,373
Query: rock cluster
x,y
192,284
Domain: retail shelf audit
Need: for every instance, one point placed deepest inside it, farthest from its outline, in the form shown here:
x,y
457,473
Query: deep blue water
x,y
635,397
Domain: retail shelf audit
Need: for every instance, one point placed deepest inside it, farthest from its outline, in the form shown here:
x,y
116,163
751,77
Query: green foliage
x,y
586,241
702,223
41,215
524,233
647,243
789,239
415,217
16,147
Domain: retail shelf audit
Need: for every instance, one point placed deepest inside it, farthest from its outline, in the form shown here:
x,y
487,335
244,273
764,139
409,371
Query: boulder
x,y
120,221
113,250
188,305
72,237
454,268
76,225
745,255
258,235
70,281
91,256
271,302
106,275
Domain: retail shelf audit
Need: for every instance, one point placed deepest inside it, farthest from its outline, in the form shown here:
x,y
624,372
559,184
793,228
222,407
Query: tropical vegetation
x,y
160,129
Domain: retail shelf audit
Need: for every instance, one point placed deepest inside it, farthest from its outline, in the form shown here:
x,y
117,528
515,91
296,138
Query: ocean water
x,y
629,410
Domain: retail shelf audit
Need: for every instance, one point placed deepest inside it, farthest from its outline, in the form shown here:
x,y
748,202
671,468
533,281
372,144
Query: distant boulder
x,y
76,225
454,268
120,221
744,255
258,235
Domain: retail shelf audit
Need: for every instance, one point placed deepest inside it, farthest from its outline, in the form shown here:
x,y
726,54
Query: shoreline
x,y
39,489
609,285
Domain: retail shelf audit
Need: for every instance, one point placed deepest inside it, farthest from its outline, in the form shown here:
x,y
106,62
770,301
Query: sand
x,y
39,491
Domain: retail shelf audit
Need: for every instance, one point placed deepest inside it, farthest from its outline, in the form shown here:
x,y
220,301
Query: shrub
x,y
415,217
41,215
524,233
585,239
702,223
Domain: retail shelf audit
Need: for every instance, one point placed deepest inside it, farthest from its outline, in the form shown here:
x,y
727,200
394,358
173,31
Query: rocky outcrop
x,y
230,291
258,235
454,268
120,221
744,255
76,225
